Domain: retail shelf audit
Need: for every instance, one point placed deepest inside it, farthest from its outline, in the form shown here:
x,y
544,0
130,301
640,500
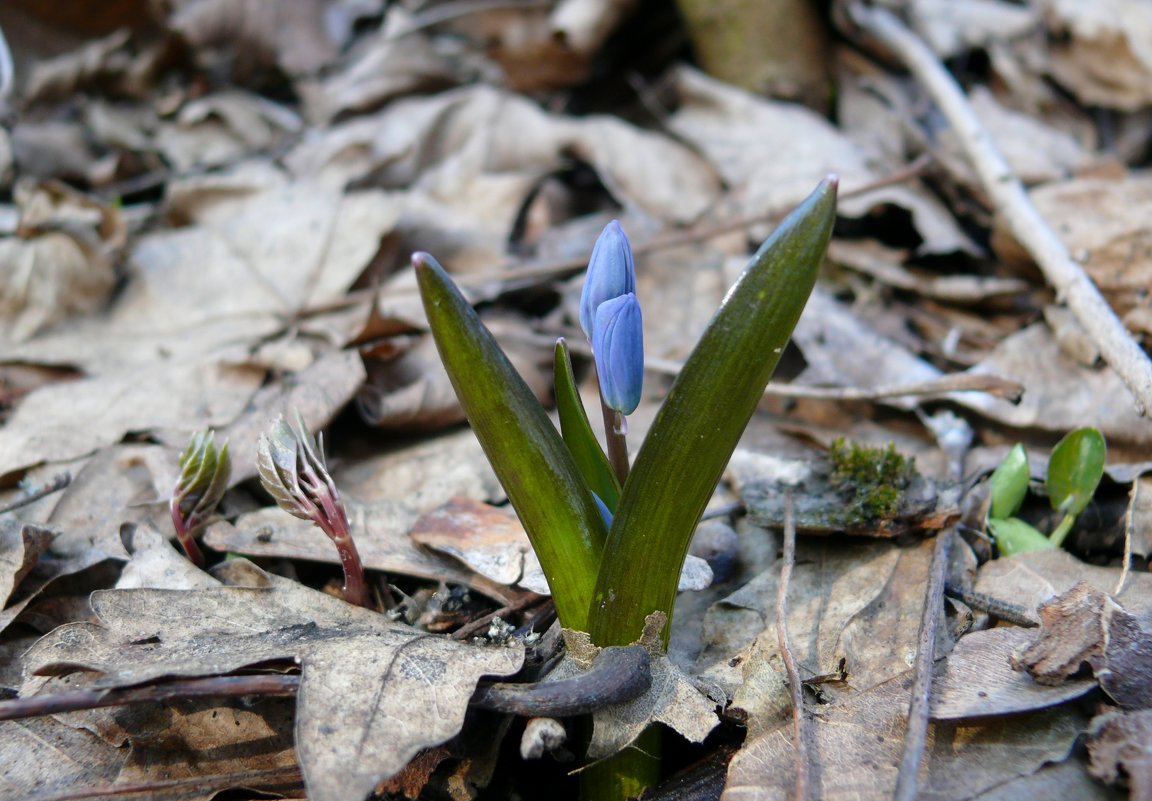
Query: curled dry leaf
x,y
61,261
1085,626
372,693
258,34
1102,51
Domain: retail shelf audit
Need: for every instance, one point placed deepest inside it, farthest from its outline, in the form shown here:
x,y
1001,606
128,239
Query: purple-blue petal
x,y
618,348
605,512
611,273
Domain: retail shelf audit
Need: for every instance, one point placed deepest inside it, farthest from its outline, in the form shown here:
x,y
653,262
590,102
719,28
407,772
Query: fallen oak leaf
x,y
372,693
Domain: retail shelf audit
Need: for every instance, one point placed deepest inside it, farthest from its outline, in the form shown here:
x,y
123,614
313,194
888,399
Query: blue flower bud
x,y
605,512
611,273
618,347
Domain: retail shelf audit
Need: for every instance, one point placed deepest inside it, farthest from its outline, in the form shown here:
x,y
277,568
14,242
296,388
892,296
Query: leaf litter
x,y
205,222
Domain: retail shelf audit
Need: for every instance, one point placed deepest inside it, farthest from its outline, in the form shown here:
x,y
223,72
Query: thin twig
x,y
996,385
58,483
795,686
544,269
1129,519
917,732
263,684
1010,200
471,628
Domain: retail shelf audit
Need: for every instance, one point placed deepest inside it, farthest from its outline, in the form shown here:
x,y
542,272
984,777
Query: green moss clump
x,y
874,477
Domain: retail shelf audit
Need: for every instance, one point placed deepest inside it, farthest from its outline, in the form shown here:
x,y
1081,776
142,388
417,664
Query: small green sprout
x,y
612,538
204,474
1074,471
293,470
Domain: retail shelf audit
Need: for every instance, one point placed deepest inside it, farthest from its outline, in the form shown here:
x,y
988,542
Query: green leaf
x,y
697,428
1075,470
1014,536
578,434
1009,484
533,464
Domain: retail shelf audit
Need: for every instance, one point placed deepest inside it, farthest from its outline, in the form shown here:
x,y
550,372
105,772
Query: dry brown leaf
x,y
317,393
479,145
20,548
44,757
380,531
1085,626
258,34
1119,751
255,248
772,153
843,350
952,27
857,745
372,693
978,679
488,539
385,66
1030,579
221,129
155,562
64,421
1101,51
61,261
851,600
1059,394
204,748
1104,224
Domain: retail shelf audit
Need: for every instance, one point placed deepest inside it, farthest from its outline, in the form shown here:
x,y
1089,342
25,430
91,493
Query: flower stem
x,y
187,542
616,437
624,775
1061,531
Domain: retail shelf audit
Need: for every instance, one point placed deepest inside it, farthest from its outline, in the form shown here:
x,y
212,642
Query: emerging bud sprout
x,y
611,273
204,474
618,347
292,470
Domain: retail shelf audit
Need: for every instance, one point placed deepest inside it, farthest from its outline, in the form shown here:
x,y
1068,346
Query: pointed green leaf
x,y
697,428
1009,484
533,464
1014,536
578,434
1075,470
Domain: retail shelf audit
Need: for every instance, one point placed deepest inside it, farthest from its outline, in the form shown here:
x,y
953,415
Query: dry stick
x,y
917,732
619,674
1008,197
800,789
58,483
213,687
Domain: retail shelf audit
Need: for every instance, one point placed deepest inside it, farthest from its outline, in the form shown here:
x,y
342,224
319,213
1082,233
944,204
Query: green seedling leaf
x,y
540,476
578,434
1009,484
1075,470
1014,536
697,428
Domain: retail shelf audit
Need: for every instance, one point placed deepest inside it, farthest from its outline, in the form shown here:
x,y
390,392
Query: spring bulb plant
x,y
204,474
612,538
292,469
1074,471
